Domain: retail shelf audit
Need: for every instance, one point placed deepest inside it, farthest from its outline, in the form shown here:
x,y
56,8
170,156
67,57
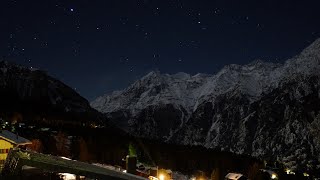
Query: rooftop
x,y
13,138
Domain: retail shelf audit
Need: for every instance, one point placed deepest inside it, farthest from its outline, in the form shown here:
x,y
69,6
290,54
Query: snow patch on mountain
x,y
264,109
189,91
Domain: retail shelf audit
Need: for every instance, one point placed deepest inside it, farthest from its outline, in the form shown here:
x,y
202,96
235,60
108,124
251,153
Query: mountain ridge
x,y
39,97
236,109
266,67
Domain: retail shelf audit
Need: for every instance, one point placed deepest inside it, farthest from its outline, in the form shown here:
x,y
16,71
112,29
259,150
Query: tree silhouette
x,y
62,144
83,151
215,175
253,170
36,145
315,130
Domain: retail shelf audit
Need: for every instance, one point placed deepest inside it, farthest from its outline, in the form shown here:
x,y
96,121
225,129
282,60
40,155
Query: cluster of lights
x,y
160,177
306,175
288,171
274,176
153,178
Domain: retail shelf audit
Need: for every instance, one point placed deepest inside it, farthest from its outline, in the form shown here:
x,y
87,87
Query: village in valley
x,y
159,90
21,157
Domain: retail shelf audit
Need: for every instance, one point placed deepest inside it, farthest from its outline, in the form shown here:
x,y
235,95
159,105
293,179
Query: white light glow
x,y
306,174
161,177
288,171
67,176
65,158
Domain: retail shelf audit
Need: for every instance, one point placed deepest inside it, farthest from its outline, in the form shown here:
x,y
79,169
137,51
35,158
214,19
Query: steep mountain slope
x,y
278,125
261,108
35,94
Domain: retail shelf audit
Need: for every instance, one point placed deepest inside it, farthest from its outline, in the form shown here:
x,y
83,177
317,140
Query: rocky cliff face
x,y
262,109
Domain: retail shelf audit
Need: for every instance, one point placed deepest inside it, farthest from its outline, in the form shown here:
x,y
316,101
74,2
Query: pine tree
x,y
215,175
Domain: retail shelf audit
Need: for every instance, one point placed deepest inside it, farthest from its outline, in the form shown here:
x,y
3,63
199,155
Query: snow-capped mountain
x,y
28,90
263,109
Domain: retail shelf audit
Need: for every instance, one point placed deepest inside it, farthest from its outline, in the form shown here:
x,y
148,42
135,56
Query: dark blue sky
x,y
101,46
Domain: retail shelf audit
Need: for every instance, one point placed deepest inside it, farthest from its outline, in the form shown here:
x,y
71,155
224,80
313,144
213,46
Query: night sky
x,y
99,46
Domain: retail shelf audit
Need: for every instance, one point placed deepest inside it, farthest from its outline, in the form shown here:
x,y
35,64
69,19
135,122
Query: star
x,y
202,30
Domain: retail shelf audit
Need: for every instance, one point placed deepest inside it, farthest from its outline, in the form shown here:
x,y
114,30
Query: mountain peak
x,y
252,79
313,49
308,62
316,43
151,74
259,62
239,101
181,75
155,72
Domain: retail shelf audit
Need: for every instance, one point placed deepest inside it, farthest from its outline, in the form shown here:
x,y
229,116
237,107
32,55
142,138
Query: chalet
x,y
9,140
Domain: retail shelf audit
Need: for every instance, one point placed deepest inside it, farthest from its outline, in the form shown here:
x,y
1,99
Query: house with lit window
x,y
9,140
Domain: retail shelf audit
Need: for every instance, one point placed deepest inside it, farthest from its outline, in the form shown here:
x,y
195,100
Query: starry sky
x,y
97,46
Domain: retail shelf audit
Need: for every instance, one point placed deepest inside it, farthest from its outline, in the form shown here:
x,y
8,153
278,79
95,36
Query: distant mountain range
x,y
262,109
39,97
